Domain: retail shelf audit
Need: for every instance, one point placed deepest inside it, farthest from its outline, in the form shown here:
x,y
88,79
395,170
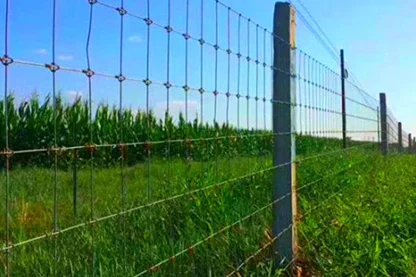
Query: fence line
x,y
249,137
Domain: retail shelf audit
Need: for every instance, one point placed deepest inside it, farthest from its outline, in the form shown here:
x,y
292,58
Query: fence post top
x,y
278,3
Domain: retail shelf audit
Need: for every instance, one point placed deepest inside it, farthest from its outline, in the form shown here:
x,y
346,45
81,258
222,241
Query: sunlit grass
x,y
367,230
128,244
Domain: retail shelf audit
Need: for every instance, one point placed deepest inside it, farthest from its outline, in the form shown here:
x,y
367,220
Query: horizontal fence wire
x,y
93,186
188,193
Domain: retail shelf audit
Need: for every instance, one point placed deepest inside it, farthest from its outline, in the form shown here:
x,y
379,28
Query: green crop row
x,y
42,125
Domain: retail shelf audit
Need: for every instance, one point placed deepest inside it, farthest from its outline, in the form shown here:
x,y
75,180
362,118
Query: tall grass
x,y
151,234
367,230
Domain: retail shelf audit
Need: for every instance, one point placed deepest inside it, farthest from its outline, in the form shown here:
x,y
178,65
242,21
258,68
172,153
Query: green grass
x,y
127,245
146,236
369,229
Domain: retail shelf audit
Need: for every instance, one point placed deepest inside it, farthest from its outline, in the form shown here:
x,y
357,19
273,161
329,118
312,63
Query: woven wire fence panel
x,y
392,132
154,163
326,166
405,140
151,153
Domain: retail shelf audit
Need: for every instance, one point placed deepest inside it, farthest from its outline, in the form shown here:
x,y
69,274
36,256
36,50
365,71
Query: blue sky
x,y
376,36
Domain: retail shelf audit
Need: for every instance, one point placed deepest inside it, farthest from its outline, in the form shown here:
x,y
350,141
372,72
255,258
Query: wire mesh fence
x,y
393,131
168,162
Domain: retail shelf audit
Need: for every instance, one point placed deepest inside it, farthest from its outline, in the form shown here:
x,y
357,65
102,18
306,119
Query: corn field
x,y
31,125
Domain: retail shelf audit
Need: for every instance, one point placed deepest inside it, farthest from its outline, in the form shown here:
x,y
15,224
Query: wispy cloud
x,y
41,51
135,38
175,108
65,57
73,95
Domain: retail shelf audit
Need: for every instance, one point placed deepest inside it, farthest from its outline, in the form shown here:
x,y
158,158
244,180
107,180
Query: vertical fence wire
x,y
238,71
6,60
89,73
168,85
55,145
227,112
248,76
122,147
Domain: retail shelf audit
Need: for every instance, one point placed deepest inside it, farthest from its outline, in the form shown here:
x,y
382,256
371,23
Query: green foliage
x,y
31,125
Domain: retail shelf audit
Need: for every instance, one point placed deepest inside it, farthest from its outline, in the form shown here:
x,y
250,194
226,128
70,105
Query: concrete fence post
x,y
284,93
343,103
383,123
400,136
409,146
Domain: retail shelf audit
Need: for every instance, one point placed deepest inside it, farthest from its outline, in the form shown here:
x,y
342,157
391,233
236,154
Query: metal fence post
x,y
344,115
414,145
284,92
383,115
400,136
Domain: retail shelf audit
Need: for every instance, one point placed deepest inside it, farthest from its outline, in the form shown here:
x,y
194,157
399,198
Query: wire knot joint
x,y
88,72
120,78
147,82
6,60
148,21
121,11
52,67
7,153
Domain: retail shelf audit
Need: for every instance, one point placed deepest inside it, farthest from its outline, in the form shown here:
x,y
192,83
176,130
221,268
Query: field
x,y
196,203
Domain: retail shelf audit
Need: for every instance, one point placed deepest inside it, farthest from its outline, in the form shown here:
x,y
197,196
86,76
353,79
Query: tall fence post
x,y
409,146
383,122
414,145
344,114
400,136
284,92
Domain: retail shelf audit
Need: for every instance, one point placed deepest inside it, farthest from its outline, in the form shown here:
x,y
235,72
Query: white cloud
x,y
73,95
135,38
65,57
175,108
41,51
